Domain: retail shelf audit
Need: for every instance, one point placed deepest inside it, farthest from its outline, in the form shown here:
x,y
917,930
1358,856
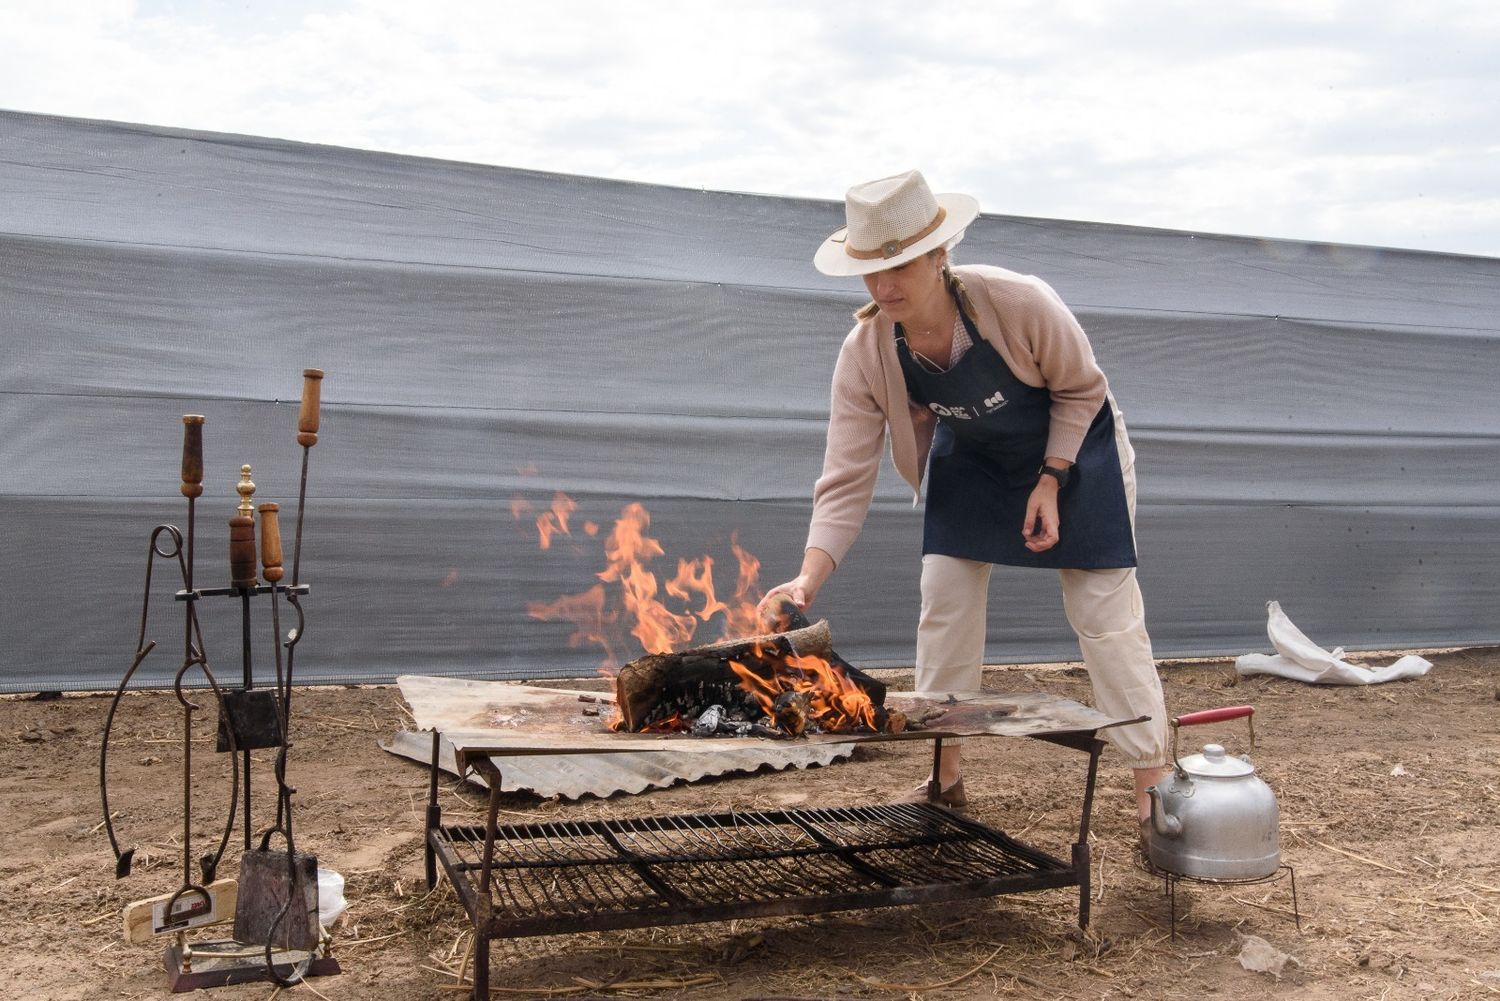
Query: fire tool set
x,y
277,934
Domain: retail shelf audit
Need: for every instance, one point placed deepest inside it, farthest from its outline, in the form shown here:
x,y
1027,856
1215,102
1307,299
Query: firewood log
x,y
642,685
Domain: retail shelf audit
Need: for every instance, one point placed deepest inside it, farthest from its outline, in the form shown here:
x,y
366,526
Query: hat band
x,y
893,248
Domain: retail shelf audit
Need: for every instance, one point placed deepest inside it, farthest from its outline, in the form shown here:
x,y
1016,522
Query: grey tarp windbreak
x,y
1314,424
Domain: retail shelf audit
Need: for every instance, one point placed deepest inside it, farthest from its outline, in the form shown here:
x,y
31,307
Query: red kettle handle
x,y
1213,715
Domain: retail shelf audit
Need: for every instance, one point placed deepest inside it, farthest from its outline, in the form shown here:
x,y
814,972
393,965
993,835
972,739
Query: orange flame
x,y
743,619
697,577
586,612
628,602
835,702
662,616
838,704
628,549
672,724
555,521
764,690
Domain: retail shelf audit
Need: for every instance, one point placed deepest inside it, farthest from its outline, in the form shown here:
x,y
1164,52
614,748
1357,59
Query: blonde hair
x,y
953,282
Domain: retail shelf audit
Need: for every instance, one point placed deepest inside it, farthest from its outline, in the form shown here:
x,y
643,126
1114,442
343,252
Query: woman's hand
x,y
1040,530
817,567
799,590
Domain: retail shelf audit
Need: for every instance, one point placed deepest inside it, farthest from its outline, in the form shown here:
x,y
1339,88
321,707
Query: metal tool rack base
x,y
560,877
227,962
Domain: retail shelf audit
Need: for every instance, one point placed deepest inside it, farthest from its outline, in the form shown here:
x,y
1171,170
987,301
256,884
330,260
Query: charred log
x,y
657,686
785,617
673,691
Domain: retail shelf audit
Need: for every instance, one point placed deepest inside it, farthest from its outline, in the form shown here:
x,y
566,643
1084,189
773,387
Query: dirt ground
x,y
1388,812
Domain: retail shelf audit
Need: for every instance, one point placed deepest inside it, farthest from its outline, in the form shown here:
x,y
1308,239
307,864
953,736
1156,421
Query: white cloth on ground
x,y
1300,659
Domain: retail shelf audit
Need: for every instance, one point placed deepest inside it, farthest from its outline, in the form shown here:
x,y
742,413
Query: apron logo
x,y
993,403
954,413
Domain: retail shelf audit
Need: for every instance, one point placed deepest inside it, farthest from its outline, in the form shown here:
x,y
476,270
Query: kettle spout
x,y
1164,823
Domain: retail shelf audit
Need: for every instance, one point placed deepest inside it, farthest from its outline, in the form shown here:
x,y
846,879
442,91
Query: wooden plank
x,y
146,919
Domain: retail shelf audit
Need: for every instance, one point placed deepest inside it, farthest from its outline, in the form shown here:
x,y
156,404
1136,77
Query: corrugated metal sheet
x,y
573,776
540,740
484,718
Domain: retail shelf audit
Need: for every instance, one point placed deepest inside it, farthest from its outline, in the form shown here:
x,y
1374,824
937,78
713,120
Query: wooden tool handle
x,y
242,551
192,455
307,420
270,543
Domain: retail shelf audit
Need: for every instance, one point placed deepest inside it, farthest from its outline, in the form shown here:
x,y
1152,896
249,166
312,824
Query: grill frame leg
x,y
485,904
1081,847
434,815
1091,745
481,990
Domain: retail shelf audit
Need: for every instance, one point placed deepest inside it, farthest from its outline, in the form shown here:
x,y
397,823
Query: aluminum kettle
x,y
1212,817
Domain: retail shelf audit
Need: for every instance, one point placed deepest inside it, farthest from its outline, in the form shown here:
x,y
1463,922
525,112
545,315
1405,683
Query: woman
x,y
984,379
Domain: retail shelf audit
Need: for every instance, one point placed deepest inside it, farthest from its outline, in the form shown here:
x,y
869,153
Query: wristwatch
x,y
1061,475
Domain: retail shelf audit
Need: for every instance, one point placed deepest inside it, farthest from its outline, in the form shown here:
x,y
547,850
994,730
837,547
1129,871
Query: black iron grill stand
x,y
559,877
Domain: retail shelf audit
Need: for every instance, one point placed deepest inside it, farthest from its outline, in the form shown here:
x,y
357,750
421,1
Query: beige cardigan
x,y
1035,334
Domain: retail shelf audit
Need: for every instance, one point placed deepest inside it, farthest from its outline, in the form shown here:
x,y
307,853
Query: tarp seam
x,y
1078,305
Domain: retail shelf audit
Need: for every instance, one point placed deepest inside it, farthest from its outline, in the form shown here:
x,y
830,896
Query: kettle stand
x,y
1171,879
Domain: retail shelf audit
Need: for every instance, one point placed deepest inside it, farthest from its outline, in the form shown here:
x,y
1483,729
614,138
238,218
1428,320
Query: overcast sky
x,y
1368,122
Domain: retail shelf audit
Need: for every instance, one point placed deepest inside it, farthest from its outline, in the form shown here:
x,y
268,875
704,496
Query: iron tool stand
x,y
277,935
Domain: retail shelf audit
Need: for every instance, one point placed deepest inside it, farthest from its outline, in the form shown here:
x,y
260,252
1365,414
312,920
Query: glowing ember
x,y
672,724
835,703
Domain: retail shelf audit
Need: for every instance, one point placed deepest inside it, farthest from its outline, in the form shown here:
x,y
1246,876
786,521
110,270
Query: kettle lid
x,y
1213,761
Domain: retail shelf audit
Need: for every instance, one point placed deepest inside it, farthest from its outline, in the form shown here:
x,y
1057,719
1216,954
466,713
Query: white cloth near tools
x,y
1300,659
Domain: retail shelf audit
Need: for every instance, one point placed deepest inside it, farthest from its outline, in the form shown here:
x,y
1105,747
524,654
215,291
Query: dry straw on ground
x,y
1389,811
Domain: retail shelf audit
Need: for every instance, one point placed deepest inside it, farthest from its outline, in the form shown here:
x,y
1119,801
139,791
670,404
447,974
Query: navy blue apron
x,y
990,440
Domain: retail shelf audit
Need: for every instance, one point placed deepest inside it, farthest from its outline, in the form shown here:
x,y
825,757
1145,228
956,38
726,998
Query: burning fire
x,y
834,703
556,520
672,724
630,601
631,606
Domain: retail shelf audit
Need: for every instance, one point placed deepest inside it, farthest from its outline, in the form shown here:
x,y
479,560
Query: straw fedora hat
x,y
891,221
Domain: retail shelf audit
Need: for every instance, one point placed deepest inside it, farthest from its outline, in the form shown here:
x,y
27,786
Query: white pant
x,y
1105,609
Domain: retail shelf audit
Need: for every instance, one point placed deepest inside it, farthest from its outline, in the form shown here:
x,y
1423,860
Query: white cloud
x,y
1361,123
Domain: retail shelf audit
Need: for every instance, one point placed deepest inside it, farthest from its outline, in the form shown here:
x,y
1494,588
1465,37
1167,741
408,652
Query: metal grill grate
x,y
624,873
